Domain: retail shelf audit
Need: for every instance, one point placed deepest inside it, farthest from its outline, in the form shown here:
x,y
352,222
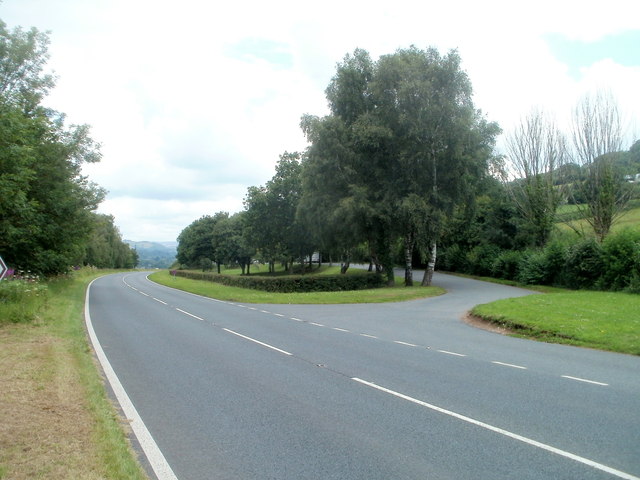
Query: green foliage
x,y
105,248
621,257
45,202
291,283
584,264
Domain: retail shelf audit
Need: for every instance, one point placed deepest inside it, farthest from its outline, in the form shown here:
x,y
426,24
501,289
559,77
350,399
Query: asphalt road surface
x,y
386,391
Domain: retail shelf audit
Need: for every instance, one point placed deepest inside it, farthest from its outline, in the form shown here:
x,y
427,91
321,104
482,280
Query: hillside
x,y
154,254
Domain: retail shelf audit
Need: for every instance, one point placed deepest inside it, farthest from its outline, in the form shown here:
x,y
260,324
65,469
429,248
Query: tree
x,y
536,150
597,139
271,222
105,248
402,142
195,242
45,202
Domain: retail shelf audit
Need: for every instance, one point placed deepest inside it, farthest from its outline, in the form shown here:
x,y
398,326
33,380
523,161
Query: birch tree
x,y
597,138
536,150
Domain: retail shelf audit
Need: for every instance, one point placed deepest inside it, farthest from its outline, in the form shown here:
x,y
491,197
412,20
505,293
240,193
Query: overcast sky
x,y
193,101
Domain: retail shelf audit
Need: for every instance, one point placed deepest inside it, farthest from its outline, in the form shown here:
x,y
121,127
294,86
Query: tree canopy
x,y
47,206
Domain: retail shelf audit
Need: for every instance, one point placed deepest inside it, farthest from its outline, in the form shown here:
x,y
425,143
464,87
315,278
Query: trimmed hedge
x,y
291,283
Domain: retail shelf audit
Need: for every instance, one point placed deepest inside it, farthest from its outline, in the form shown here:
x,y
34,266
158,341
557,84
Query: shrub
x,y
506,264
481,258
584,264
621,257
532,268
291,283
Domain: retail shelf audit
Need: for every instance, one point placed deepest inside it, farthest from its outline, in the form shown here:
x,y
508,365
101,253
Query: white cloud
x,y
194,101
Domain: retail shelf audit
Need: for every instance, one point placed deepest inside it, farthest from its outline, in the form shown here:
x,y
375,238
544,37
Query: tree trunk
x,y
431,266
408,256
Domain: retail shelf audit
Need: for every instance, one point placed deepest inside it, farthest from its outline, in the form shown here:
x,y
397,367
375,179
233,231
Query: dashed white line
x,y
278,315
158,300
341,329
451,353
257,341
265,311
510,365
316,324
585,380
296,319
145,294
501,431
367,335
190,314
405,343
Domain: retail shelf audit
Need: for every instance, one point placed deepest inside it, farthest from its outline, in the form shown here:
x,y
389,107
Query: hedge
x,y
291,283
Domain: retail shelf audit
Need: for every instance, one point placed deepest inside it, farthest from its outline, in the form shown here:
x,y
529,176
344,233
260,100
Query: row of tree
x,y
47,207
404,163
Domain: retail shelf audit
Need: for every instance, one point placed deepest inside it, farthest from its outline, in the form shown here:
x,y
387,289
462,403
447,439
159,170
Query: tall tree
x,y
536,150
45,202
195,242
597,139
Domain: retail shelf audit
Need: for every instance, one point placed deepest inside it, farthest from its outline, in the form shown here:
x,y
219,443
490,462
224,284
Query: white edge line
x,y
509,365
190,314
451,353
585,380
501,431
151,450
257,341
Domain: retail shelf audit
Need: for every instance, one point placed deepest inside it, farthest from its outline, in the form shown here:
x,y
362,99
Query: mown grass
x,y
398,293
56,419
602,320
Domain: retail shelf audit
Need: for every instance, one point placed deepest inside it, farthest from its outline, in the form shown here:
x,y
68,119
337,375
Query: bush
x,y
621,257
481,259
584,264
291,283
506,265
453,259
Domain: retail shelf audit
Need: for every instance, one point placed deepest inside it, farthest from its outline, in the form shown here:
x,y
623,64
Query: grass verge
x,y
602,320
234,294
56,421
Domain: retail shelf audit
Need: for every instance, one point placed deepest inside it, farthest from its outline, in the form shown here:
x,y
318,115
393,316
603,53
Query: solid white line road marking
x,y
341,329
585,380
190,314
156,459
368,336
451,353
257,341
501,431
510,365
404,343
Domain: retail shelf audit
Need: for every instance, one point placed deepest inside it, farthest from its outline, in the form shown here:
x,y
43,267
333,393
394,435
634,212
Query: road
x,y
387,391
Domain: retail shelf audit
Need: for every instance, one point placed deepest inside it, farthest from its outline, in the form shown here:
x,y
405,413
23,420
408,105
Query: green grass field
x,y
602,320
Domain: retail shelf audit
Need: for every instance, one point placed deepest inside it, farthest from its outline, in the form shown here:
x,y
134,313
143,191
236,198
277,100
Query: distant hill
x,y
154,254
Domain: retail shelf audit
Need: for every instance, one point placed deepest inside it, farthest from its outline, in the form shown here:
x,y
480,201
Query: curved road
x,y
386,391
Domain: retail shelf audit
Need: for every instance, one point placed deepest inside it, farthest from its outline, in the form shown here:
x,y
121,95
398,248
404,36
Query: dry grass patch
x,y
45,426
